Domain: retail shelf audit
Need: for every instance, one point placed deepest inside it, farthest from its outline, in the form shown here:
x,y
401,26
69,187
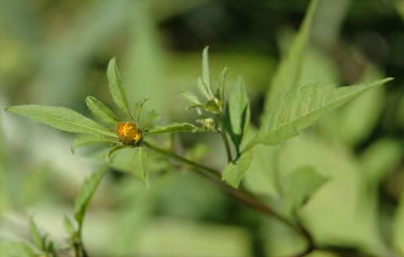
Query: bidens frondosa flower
x,y
128,133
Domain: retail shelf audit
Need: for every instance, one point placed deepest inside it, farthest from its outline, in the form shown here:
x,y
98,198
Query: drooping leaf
x,y
16,249
299,186
115,87
140,164
205,71
139,106
113,150
233,173
289,70
172,128
90,139
61,118
69,226
303,106
86,193
100,110
35,234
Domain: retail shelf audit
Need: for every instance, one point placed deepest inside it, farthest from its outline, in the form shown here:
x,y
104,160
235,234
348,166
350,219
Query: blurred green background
x,y
55,52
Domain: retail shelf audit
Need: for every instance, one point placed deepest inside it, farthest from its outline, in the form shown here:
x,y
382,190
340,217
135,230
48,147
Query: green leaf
x,y
205,71
300,186
115,87
238,103
138,110
202,88
172,128
113,150
99,110
289,70
221,88
16,249
90,139
35,234
61,118
233,173
191,97
140,164
86,193
303,106
398,231
69,226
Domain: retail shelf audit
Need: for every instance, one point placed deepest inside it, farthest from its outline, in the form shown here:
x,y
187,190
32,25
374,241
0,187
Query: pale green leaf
x,y
90,139
16,249
172,128
202,88
299,186
115,87
100,110
69,226
205,71
233,173
222,86
113,150
302,107
289,70
140,164
138,109
238,103
61,118
35,234
191,97
86,193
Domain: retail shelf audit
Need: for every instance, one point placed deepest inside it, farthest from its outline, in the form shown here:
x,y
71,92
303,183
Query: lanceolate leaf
x,y
101,111
116,88
288,73
238,103
139,106
172,128
61,118
191,97
89,139
35,234
233,173
299,186
205,71
302,107
222,86
86,193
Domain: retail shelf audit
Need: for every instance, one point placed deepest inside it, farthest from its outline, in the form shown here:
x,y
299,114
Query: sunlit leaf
x,y
233,173
90,139
86,193
61,118
303,106
115,86
100,110
172,128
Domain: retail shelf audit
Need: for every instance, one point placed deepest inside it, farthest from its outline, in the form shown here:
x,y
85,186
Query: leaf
x,y
35,234
172,128
205,71
233,173
113,150
138,109
61,118
398,233
16,249
238,103
300,186
69,226
90,139
86,193
140,164
115,87
191,97
202,88
303,106
99,110
288,74
221,88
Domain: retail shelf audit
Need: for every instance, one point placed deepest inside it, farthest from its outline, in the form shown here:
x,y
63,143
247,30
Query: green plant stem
x,y
242,195
227,145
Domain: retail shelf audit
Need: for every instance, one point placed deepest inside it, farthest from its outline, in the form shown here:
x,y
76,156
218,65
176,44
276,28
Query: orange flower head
x,y
129,133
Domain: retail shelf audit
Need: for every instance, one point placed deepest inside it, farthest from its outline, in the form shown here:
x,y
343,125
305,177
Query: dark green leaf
x,y
35,234
90,139
62,119
115,86
300,186
233,173
172,128
212,107
86,193
100,111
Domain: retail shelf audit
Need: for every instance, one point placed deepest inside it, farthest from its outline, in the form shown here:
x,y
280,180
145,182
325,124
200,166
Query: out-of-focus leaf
x,y
100,110
69,226
115,87
191,97
221,89
233,173
113,150
398,228
205,72
300,186
86,193
202,88
61,118
140,164
16,249
90,139
172,128
35,234
288,73
238,103
303,106
138,109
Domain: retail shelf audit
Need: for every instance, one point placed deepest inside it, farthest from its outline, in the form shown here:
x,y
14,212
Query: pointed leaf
x,y
202,88
113,150
86,193
222,84
61,118
139,106
289,70
191,97
300,185
238,102
303,106
90,139
172,128
100,110
115,87
205,71
233,173
35,234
